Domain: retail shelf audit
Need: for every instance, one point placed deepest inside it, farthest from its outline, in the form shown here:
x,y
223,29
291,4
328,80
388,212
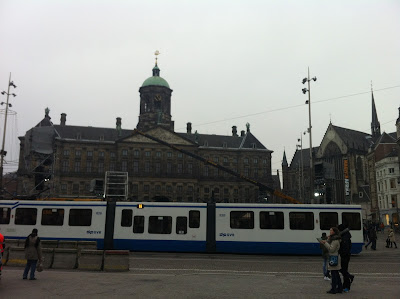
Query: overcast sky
x,y
228,63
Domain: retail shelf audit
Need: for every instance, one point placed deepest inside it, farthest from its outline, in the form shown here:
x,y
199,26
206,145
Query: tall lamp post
x,y
3,153
300,146
305,90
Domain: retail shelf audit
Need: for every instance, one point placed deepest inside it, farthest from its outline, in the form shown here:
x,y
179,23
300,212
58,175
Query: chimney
x,y
189,128
119,126
63,119
234,131
242,133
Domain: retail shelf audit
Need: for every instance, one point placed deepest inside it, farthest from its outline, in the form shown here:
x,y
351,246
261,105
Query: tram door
x,y
109,226
210,235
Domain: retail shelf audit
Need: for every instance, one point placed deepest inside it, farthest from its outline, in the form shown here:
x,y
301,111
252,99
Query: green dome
x,y
155,80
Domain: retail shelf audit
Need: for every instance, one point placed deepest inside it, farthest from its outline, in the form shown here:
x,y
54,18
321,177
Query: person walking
x,y
372,238
392,238
333,246
33,253
365,233
388,239
325,256
345,253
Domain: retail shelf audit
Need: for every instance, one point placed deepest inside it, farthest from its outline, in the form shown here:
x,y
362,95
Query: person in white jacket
x,y
333,246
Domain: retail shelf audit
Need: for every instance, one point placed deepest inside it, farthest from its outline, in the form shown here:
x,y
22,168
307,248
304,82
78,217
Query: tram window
x,y
194,219
138,224
126,218
53,217
271,220
352,220
5,216
26,216
181,225
328,220
80,217
242,219
160,224
301,220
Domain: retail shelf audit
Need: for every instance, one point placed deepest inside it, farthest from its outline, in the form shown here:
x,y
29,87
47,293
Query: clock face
x,y
157,98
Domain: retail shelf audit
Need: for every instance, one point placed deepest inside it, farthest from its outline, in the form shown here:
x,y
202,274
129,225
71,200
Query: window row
x,y
157,168
297,220
380,173
52,217
160,224
159,154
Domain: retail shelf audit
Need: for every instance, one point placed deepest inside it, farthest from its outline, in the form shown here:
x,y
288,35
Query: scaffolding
x,y
116,186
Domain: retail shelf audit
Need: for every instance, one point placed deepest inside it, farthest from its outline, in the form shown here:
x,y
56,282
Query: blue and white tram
x,y
182,227
282,229
55,220
159,226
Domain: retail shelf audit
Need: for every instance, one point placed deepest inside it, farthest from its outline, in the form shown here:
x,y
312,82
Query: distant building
x,y
387,174
345,171
71,161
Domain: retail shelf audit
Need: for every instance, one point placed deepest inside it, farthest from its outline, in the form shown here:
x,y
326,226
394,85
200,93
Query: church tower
x,y
155,102
375,125
285,172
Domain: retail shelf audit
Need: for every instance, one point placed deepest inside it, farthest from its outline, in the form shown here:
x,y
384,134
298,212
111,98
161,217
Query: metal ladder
x,y
116,186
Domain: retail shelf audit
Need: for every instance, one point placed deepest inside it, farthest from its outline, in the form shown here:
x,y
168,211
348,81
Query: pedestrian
x,y
333,246
388,238
2,247
382,227
33,252
365,233
392,238
345,253
325,256
372,237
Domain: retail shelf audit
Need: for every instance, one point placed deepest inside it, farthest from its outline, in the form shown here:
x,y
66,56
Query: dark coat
x,y
372,233
345,245
33,248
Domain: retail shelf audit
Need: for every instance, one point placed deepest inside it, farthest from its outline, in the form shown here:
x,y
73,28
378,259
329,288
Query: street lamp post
x,y
300,146
3,153
305,90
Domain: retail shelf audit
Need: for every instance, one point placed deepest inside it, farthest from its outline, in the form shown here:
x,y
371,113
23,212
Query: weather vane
x,y
157,53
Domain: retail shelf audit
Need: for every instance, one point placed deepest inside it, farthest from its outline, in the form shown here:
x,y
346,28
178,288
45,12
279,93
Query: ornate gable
x,y
160,133
331,137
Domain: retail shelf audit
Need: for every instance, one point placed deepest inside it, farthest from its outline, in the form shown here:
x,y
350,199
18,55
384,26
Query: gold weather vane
x,y
157,53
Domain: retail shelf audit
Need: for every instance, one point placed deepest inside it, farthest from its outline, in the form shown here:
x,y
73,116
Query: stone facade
x,y
64,160
387,173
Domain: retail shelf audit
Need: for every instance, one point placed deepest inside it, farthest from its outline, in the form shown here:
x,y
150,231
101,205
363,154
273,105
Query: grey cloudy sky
x,y
228,63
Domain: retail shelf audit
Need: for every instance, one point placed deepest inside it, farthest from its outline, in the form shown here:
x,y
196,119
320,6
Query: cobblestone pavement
x,y
176,275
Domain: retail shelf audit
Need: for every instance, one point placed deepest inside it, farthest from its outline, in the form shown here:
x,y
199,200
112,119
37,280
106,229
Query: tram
x,y
183,227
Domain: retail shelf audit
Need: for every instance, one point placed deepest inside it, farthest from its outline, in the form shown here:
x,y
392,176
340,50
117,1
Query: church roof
x,y
45,122
386,138
353,139
90,133
296,161
248,141
155,80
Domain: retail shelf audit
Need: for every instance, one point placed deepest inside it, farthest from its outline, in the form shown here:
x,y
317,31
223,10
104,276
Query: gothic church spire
x,y
375,125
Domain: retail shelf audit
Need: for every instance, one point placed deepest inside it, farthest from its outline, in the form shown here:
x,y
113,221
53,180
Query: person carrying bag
x,y
333,246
